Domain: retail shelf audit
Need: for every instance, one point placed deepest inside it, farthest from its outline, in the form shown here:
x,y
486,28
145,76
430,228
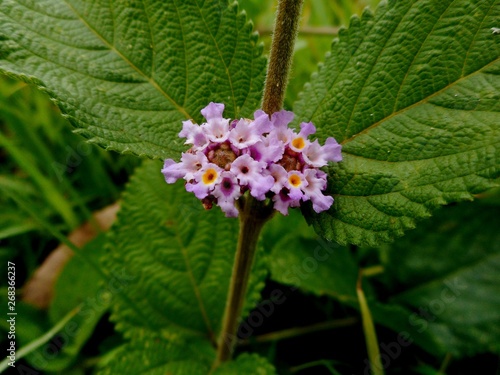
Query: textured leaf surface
x,y
444,282
127,72
175,257
246,364
316,266
413,95
149,353
451,278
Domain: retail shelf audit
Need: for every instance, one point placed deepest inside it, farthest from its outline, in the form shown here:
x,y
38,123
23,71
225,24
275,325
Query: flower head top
x,y
262,156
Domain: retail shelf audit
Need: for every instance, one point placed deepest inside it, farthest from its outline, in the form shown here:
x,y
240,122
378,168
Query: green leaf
x,y
316,266
246,364
175,259
451,279
413,95
127,73
151,353
443,280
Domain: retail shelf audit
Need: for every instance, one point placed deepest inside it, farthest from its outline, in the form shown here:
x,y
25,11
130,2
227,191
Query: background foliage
x,y
437,286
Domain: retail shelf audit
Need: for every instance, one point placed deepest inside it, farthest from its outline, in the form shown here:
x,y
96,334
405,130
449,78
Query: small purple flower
x,y
316,183
189,165
300,141
216,128
213,111
249,172
194,134
267,150
262,156
205,180
295,183
318,156
280,176
282,118
282,201
244,134
226,192
262,122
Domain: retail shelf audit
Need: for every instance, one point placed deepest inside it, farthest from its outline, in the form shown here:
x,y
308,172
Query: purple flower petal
x,y
246,169
262,122
267,151
216,130
317,183
260,186
280,177
282,118
205,180
306,129
194,134
332,150
295,182
282,201
213,111
244,134
226,192
171,171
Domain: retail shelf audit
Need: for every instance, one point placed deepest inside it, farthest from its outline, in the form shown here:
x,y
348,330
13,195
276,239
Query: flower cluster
x,y
262,156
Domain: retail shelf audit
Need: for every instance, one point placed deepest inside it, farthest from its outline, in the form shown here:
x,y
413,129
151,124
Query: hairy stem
x,y
280,60
253,216
253,213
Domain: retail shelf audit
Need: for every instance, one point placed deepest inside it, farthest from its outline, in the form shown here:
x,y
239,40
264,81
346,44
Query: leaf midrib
x,y
192,280
146,77
226,68
422,101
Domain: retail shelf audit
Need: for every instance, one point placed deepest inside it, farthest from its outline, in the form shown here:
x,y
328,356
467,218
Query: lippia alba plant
x,y
401,118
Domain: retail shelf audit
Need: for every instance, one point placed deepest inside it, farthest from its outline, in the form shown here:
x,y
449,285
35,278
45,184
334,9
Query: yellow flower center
x,y
209,176
294,180
299,143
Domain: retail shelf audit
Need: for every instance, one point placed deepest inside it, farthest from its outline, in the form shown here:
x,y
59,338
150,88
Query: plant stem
x,y
299,331
253,213
369,330
253,216
326,31
280,60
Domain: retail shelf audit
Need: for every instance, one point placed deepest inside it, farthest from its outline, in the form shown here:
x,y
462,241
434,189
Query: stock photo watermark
x,y
88,310
11,313
74,157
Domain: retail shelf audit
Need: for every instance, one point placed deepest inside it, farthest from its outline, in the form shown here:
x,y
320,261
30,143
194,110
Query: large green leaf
x,y
127,72
443,281
150,353
246,364
174,258
316,266
451,278
413,95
